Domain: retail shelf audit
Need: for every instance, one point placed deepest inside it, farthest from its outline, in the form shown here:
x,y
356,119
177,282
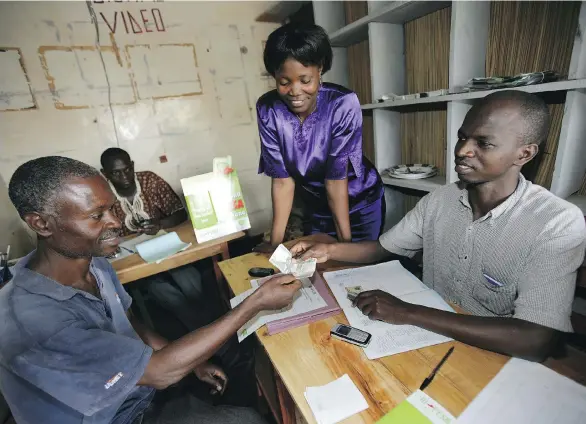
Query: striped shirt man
x,y
519,260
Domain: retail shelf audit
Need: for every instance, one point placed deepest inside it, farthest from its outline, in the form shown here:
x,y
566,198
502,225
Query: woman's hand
x,y
264,247
307,250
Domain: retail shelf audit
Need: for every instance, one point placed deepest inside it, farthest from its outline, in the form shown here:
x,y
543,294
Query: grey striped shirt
x,y
519,260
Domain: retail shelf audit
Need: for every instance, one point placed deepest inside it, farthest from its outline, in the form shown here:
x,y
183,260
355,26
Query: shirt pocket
x,y
498,300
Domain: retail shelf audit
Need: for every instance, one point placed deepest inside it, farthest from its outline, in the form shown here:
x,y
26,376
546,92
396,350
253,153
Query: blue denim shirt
x,y
67,357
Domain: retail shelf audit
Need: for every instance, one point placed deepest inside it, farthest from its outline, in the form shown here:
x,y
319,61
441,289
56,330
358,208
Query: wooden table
x,y
134,268
308,356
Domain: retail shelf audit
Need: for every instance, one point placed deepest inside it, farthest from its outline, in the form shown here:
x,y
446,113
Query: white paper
x,y
284,261
306,299
525,392
335,401
160,248
130,244
391,277
430,408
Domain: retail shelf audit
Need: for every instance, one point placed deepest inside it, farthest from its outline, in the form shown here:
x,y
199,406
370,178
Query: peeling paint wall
x,y
173,79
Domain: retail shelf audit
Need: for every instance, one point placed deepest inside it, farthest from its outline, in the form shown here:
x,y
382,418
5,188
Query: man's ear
x,y
526,153
38,223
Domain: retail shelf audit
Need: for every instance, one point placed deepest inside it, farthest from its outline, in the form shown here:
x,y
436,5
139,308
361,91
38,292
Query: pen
x,y
127,249
436,369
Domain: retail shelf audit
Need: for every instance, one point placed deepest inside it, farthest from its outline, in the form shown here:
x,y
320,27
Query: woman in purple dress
x,y
311,136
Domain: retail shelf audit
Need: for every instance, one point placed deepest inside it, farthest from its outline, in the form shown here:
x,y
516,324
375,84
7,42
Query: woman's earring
x,y
320,81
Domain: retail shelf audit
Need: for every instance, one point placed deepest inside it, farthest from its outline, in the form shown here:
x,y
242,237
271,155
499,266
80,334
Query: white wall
x,y
187,93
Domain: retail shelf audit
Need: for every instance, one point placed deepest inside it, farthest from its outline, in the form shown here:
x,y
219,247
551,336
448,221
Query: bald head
x,y
530,109
499,135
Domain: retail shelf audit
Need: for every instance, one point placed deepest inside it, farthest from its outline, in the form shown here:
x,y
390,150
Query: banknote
x,y
353,291
283,260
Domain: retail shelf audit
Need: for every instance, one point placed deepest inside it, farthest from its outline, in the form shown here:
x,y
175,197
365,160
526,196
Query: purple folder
x,y
330,309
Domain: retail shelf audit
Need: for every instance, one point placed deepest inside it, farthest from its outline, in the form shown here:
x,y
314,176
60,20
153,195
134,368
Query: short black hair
x,y
113,153
34,184
533,109
306,43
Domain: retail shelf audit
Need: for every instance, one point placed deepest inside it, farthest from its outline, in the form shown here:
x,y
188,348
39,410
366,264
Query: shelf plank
x,y
277,12
424,184
537,88
397,12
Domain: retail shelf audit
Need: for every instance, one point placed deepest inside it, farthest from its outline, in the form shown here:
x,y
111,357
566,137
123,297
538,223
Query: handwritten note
x,y
391,277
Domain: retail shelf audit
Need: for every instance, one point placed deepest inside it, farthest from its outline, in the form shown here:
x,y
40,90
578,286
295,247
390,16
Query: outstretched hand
x,y
307,250
277,292
382,306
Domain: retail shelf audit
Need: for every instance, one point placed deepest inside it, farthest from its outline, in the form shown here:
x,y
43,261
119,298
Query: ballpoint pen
x,y
429,379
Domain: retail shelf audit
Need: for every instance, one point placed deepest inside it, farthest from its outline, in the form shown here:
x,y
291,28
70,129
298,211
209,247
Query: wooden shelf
x,y
397,12
424,184
537,88
277,12
578,200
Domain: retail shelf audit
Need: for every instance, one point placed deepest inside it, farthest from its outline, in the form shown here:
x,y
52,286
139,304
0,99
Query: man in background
x,y
145,204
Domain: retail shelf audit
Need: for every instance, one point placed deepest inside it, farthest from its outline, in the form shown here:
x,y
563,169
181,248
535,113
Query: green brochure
x,y
215,202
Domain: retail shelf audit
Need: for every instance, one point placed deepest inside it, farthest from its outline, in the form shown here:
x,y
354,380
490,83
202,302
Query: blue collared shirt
x,y
67,357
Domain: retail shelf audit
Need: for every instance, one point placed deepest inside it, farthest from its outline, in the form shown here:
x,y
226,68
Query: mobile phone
x,y
350,335
260,272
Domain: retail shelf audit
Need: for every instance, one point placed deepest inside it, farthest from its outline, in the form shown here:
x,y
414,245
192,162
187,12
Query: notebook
x,y
332,308
391,277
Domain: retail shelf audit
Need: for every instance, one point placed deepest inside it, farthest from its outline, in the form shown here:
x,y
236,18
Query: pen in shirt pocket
x,y
492,281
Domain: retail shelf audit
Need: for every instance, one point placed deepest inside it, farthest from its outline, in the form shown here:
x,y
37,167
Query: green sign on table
x,y
215,202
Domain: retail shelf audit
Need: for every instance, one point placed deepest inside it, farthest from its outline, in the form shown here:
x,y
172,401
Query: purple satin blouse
x,y
327,146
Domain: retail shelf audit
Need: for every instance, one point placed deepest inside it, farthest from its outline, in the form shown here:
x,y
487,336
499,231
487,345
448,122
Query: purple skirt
x,y
366,223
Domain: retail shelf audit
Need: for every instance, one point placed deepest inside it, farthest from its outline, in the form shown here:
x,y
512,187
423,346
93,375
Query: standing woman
x,y
311,135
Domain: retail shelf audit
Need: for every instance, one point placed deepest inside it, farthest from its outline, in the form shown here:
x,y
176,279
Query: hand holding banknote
x,y
304,250
277,292
283,259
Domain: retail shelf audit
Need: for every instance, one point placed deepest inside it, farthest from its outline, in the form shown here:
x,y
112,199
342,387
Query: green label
x,y
239,207
201,210
404,413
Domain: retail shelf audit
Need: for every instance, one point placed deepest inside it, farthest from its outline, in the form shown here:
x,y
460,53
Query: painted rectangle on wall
x,y
233,101
15,91
225,51
77,78
164,70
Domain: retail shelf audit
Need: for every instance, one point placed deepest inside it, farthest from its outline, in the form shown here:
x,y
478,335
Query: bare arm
x,y
178,358
148,336
282,191
174,219
510,336
337,191
363,252
152,226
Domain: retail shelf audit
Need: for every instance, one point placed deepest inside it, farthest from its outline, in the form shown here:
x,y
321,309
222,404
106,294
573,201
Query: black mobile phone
x,y
260,272
350,335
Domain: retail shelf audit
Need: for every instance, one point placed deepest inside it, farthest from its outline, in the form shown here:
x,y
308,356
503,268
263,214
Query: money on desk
x,y
353,292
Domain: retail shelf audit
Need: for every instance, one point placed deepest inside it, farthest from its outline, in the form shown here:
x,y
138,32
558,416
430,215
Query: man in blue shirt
x,y
71,351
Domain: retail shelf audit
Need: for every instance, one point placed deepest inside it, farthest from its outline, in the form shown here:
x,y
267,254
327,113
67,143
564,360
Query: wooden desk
x,y
308,356
133,267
